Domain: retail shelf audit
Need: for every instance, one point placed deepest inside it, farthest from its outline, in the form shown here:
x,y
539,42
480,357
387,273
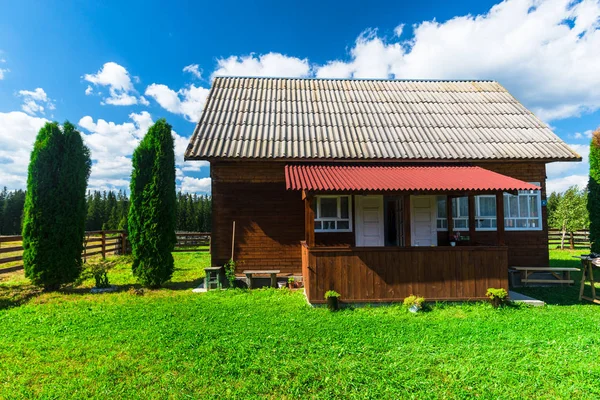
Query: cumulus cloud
x,y
112,145
193,69
271,65
562,175
3,71
546,53
188,101
195,185
17,135
119,82
35,101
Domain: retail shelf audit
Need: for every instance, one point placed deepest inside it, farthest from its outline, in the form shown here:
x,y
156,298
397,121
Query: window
x,y
485,213
333,214
460,213
523,211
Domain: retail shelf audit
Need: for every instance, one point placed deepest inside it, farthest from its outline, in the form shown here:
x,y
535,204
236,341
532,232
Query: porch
x,y
381,241
389,274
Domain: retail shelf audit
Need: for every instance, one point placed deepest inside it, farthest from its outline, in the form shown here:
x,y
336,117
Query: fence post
x,y
123,244
103,244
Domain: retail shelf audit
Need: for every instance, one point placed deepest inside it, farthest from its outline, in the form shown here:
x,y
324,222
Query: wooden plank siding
x,y
270,220
386,274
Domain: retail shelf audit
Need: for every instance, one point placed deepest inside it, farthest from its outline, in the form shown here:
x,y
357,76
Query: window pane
x,y
441,207
317,224
511,208
343,225
328,225
487,206
344,203
460,223
533,206
460,207
328,207
533,223
523,211
521,223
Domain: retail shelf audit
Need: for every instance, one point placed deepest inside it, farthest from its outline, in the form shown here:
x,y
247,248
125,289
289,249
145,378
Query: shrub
x,y
152,212
497,296
332,293
230,273
413,300
55,211
593,203
99,270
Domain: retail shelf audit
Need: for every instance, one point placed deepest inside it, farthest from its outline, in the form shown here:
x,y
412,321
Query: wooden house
x,y
362,185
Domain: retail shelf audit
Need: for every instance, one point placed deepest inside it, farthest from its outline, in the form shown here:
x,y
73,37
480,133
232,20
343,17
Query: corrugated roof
x,y
285,118
398,178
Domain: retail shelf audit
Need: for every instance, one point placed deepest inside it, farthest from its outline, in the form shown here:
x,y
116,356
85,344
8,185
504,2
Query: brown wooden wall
x,y
367,274
270,219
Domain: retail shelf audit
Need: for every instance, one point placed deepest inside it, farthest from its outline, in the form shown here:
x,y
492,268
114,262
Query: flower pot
x,y
452,244
333,303
281,285
414,309
291,285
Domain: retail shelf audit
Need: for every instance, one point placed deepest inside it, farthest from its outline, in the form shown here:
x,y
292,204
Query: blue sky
x,y
113,68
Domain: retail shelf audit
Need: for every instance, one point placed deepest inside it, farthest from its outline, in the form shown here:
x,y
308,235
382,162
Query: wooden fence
x,y
572,240
98,243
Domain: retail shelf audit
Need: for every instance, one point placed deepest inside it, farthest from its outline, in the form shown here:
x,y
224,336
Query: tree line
x,y
108,210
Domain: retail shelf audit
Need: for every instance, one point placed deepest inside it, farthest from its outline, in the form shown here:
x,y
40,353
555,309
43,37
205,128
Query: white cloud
x,y
585,135
17,135
89,90
120,86
562,184
271,65
3,71
113,144
195,185
546,53
562,175
34,101
193,69
188,101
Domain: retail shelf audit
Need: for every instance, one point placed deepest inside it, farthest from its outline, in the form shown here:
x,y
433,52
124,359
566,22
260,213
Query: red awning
x,y
398,178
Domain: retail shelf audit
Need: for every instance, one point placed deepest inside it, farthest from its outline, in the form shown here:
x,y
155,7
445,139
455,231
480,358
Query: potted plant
x,y
332,298
414,303
497,296
291,282
454,238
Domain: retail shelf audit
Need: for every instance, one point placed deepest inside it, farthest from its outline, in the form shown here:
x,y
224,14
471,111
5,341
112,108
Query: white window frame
x,y
538,195
339,213
453,219
478,217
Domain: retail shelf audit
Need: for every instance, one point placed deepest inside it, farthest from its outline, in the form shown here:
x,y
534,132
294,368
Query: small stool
x,y
213,277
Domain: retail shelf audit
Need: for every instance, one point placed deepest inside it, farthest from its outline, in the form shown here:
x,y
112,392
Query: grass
x,y
269,343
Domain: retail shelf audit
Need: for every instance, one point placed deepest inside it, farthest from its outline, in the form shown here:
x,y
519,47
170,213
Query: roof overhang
x,y
312,177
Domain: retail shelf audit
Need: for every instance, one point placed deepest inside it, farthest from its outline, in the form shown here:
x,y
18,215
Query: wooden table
x,y
564,277
272,272
588,263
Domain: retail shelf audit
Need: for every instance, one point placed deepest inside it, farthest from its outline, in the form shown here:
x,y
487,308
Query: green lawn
x,y
172,343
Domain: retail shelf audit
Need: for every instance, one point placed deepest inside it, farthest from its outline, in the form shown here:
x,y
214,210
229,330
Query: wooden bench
x,y
562,274
250,274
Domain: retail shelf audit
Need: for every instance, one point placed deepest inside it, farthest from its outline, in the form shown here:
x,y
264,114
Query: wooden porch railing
x,y
98,243
386,274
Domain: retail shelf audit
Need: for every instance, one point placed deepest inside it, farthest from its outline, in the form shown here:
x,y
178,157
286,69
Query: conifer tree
x,y
152,212
54,215
593,203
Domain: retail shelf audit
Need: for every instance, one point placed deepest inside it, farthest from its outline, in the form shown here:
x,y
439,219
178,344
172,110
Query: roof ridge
x,y
355,79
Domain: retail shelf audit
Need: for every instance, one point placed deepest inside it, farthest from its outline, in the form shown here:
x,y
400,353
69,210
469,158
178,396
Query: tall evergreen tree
x,y
152,213
593,204
54,216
